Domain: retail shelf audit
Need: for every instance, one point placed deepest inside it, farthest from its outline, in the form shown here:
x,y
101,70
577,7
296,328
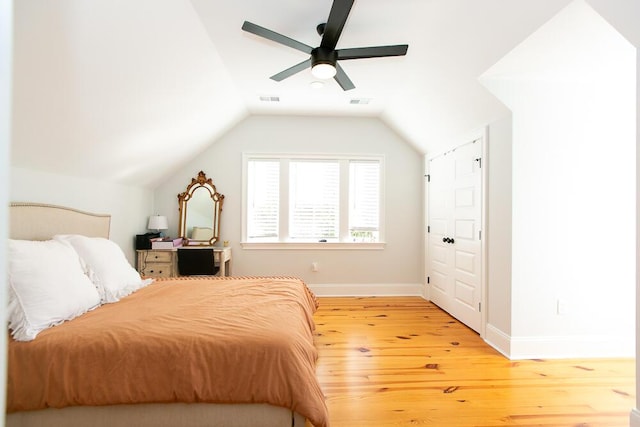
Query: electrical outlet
x,y
314,266
561,307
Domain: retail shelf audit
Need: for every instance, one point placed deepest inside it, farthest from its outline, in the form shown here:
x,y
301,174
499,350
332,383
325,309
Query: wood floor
x,y
404,362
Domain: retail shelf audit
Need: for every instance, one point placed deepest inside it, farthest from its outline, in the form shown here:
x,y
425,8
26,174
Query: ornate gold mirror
x,y
200,208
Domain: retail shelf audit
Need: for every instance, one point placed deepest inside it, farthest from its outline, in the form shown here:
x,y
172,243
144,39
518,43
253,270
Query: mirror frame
x,y
201,181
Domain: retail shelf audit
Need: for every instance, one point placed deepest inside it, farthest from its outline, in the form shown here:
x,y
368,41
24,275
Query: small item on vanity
x,y
225,243
143,241
166,243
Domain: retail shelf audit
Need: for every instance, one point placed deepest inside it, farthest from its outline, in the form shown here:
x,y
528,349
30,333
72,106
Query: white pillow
x,y
106,266
47,286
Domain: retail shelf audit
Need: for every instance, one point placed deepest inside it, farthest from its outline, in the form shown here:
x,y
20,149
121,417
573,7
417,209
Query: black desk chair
x,y
196,262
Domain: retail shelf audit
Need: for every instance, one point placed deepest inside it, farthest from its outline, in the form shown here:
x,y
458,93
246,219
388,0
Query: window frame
x,y
284,159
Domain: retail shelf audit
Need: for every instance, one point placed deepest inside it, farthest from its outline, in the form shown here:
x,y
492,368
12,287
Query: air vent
x,y
270,98
360,101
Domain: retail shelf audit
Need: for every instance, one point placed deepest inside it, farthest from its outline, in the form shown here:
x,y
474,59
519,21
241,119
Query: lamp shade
x,y
157,222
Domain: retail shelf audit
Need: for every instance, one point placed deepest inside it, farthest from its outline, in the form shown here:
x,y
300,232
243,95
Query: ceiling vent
x,y
360,101
270,98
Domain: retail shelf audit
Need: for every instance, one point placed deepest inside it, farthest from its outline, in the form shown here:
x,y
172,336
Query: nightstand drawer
x,y
157,269
158,256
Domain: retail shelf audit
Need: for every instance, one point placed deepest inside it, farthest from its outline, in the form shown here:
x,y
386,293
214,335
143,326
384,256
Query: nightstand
x,y
157,262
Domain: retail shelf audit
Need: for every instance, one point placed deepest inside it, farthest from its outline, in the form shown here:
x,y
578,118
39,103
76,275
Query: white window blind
x,y
364,200
263,199
314,200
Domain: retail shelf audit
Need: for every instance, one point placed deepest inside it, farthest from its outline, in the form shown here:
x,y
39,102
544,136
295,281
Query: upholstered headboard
x,y
35,221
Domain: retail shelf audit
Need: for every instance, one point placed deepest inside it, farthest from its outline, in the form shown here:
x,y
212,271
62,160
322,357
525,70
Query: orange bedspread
x,y
219,340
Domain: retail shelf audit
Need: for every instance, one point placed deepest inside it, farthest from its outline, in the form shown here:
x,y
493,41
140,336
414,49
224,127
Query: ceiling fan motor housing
x,y
323,55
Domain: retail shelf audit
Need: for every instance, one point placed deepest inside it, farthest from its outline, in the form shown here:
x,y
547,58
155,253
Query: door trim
x,y
484,134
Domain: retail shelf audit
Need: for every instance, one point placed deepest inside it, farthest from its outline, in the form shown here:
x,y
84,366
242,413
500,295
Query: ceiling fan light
x,y
323,71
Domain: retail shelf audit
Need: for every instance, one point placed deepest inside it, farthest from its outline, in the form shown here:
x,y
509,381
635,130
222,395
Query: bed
x,y
138,362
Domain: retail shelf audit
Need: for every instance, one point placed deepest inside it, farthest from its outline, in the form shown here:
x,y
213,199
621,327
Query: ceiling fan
x,y
324,58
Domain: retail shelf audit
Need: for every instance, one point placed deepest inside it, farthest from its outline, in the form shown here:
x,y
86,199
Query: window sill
x,y
312,246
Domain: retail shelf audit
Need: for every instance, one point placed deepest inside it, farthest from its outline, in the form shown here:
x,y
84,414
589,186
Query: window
x,y
364,201
314,204
314,201
263,192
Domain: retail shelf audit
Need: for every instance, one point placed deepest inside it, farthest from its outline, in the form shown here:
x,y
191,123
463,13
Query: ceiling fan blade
x,y
343,80
372,52
276,37
291,70
337,18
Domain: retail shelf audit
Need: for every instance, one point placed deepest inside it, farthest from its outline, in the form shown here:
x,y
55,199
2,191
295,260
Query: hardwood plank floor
x,y
404,362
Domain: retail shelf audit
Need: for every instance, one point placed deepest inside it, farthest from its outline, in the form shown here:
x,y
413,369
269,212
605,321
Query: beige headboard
x,y
34,221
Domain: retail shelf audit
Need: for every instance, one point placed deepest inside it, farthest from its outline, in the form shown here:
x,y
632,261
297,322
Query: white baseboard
x,y
368,290
558,347
498,340
634,418
563,347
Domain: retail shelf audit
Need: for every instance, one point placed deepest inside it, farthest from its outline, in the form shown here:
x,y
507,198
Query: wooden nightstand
x,y
157,262
164,262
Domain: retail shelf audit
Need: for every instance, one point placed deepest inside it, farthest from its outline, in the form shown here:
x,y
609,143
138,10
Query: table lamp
x,y
157,223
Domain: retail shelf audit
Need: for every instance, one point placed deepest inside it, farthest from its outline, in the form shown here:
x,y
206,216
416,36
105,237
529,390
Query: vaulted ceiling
x,y
100,87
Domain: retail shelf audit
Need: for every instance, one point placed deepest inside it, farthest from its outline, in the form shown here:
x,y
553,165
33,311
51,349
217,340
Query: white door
x,y
454,248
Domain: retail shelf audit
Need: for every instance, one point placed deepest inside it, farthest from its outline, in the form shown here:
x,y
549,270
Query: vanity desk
x,y
200,206
164,262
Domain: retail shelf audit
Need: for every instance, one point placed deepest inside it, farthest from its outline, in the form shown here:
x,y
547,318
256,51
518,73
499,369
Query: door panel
x,y
464,197
464,293
455,197
465,229
439,255
439,281
440,262
439,226
465,262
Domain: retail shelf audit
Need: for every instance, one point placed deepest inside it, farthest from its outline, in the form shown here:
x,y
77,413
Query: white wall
x,y
498,234
6,33
635,414
623,14
571,87
129,207
400,263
